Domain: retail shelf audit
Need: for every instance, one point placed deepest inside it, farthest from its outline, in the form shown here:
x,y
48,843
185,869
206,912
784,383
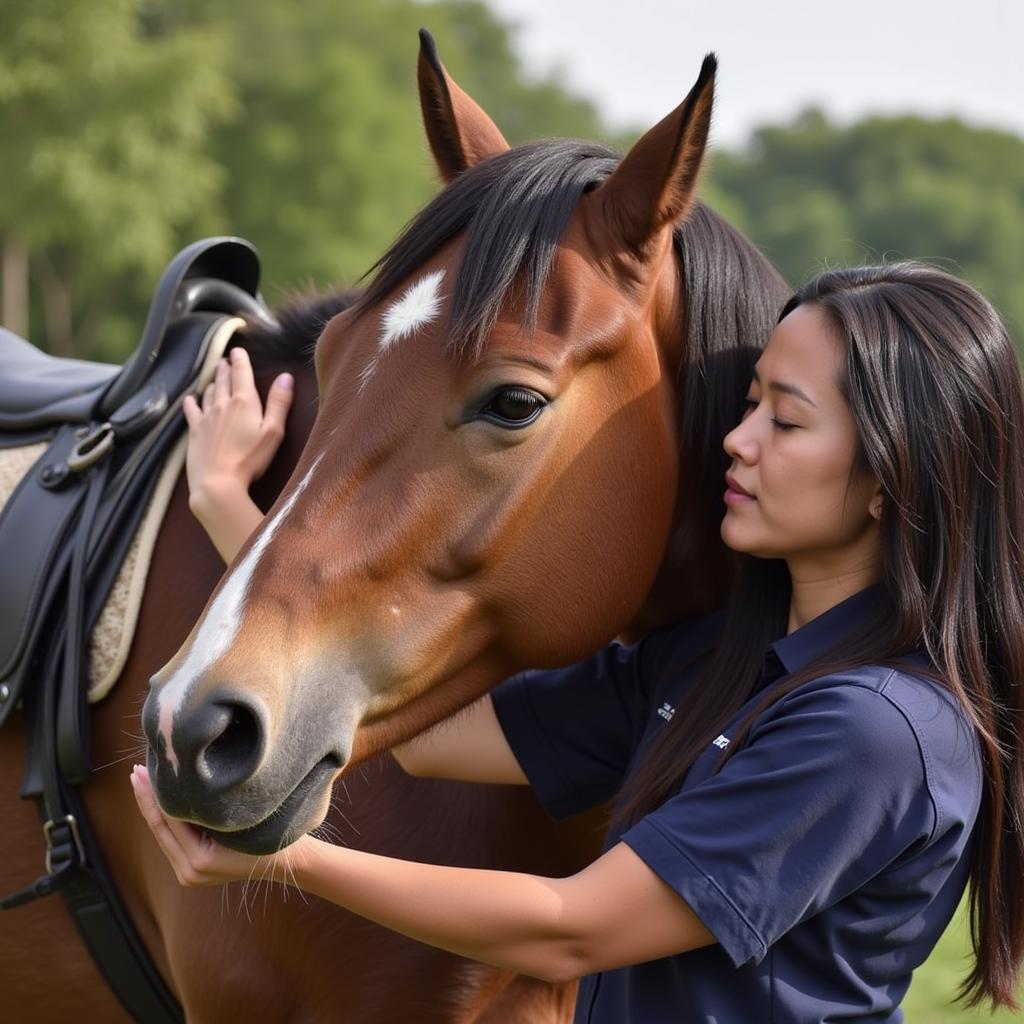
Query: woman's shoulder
x,y
909,684
898,719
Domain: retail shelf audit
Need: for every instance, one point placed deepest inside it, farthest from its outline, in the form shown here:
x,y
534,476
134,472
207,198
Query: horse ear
x,y
460,133
656,183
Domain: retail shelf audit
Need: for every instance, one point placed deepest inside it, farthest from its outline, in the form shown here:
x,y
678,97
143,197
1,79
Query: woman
x,y
805,782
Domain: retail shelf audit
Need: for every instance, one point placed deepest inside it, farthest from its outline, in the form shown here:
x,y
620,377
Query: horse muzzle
x,y
210,765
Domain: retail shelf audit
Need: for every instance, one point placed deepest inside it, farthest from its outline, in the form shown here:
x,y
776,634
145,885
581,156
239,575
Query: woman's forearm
x,y
614,912
227,514
502,918
470,746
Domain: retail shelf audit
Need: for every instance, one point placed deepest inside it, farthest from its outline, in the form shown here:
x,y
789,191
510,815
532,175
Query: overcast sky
x,y
637,58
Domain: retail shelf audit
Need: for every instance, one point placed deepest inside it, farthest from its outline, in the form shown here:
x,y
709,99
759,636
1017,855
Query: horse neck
x,y
696,576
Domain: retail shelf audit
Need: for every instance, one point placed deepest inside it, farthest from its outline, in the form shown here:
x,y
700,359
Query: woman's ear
x,y
875,506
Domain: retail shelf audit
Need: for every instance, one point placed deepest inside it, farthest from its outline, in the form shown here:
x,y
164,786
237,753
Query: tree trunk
x,y
55,289
14,286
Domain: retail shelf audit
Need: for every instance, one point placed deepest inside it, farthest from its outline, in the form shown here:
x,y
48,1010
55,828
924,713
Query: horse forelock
x,y
512,211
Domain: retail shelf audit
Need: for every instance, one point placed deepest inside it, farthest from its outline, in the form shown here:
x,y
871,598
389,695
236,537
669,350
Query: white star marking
x,y
419,305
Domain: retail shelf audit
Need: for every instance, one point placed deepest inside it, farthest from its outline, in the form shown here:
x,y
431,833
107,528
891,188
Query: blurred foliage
x,y
812,194
105,134
131,127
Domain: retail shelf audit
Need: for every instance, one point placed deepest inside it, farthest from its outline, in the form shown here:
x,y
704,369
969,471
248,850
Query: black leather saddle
x,y
64,532
215,275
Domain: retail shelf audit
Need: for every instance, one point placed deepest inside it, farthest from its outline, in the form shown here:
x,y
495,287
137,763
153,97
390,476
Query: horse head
x,y
491,483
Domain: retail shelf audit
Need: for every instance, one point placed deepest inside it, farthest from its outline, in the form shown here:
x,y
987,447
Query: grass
x,y
933,990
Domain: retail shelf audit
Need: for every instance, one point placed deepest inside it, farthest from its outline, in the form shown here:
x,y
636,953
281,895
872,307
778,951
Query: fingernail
x,y
236,354
285,381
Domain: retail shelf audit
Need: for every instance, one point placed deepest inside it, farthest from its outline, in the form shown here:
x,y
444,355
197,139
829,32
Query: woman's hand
x,y
232,438
195,857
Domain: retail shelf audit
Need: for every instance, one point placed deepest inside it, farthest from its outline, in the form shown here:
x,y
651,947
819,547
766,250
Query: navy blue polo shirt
x,y
826,857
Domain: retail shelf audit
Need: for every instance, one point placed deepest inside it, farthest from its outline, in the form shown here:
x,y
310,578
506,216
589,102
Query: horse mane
x,y
290,340
733,300
513,210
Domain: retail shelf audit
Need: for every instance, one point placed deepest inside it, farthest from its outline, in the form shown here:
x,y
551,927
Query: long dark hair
x,y
935,389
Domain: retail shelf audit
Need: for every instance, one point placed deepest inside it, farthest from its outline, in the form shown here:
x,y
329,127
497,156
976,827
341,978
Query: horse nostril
x,y
236,747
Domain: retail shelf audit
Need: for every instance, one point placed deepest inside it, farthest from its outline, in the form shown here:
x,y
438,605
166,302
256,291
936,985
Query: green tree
x,y
811,193
328,158
104,122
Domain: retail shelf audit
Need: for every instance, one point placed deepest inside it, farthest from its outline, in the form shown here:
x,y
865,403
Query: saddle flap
x,y
37,388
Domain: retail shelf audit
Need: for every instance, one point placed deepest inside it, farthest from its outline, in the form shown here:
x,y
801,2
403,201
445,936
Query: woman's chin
x,y
735,537
744,542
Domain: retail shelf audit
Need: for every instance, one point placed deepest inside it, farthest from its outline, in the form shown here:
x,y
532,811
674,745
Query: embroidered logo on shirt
x,y
666,711
721,742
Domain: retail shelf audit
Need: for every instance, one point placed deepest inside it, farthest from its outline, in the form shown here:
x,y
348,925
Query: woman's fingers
x,y
190,407
165,835
195,857
233,377
222,381
279,401
233,434
241,378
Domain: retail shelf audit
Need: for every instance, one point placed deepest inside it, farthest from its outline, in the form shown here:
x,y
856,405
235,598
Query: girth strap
x,y
75,867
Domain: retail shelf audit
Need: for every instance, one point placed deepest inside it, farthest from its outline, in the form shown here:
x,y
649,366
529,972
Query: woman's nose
x,y
739,443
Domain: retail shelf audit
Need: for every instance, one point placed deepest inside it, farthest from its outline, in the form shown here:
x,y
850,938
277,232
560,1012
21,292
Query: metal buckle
x,y
91,448
69,820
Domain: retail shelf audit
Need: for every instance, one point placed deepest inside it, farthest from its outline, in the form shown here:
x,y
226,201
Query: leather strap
x,y
72,721
34,525
76,869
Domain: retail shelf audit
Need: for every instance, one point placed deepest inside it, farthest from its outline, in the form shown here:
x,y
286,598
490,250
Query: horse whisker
x,y
136,754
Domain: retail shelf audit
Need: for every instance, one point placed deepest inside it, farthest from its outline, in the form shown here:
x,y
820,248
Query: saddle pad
x,y
112,636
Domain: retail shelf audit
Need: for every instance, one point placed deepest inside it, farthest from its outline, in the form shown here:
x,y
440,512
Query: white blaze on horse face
x,y
418,306
220,624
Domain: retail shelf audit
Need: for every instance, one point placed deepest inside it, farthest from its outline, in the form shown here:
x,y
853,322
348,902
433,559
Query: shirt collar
x,y
814,638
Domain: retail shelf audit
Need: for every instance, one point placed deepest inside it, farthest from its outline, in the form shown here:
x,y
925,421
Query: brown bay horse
x,y
507,457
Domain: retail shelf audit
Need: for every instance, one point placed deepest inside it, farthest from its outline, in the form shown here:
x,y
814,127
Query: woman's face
x,y
794,455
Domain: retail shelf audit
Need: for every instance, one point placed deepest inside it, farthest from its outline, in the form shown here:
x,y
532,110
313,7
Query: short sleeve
x,y
574,730
829,789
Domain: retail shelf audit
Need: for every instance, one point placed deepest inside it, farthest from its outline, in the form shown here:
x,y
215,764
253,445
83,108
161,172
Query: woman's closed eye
x,y
750,404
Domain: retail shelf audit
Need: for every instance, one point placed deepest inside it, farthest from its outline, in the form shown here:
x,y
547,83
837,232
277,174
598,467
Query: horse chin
x,y
302,810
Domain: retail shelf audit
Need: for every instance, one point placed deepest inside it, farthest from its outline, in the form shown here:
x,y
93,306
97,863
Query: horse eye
x,y
512,407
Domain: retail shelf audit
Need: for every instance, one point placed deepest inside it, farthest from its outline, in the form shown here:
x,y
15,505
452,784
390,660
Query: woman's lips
x,y
734,493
